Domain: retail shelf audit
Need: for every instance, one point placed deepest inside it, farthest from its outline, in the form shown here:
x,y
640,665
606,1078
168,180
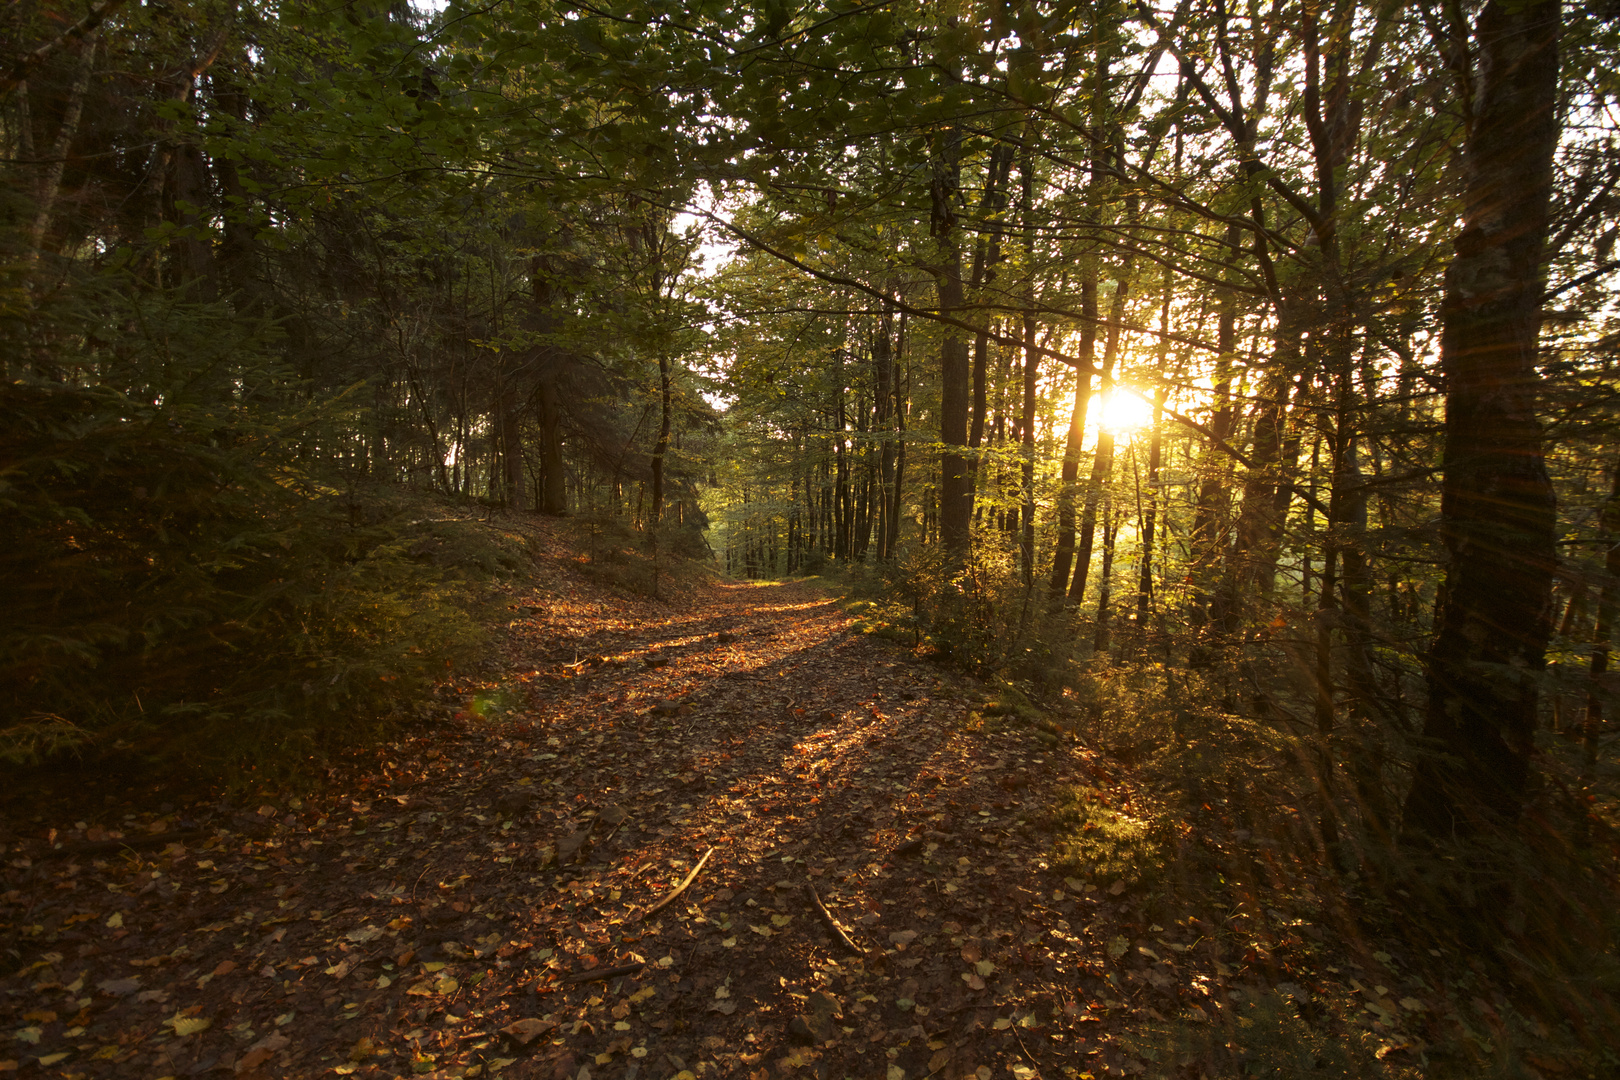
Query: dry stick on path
x,y
596,974
679,888
826,917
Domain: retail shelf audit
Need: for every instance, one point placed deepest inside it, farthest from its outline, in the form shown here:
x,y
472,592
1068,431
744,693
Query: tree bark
x,y
1208,533
553,493
1494,611
1102,459
1070,475
1603,632
661,450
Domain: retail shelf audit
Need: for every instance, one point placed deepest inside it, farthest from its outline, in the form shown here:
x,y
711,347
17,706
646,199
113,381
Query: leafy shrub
x,y
184,584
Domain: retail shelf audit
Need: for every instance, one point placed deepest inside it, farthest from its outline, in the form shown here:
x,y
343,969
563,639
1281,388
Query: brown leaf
x,y
523,1032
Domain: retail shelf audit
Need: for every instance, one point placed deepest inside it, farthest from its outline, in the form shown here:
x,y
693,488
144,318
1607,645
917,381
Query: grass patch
x,y
1092,839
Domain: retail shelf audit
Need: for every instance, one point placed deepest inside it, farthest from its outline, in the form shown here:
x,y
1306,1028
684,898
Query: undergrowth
x,y
186,594
1224,794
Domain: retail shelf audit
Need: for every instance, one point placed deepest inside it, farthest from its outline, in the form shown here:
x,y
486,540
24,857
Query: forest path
x,y
453,912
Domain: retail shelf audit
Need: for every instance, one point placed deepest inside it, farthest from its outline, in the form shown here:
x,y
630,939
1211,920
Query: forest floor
x,y
491,896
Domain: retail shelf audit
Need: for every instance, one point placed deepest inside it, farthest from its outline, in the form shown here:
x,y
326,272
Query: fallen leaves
x,y
495,870
184,1024
525,1031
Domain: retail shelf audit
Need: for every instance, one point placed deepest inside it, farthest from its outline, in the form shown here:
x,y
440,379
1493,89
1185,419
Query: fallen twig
x,y
1027,1055
679,888
133,843
603,973
826,917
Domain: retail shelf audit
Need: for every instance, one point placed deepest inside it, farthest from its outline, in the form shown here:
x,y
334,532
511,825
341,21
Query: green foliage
x,y
1094,839
643,564
185,585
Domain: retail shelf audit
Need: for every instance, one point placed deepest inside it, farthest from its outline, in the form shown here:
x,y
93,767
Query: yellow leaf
x,y
115,920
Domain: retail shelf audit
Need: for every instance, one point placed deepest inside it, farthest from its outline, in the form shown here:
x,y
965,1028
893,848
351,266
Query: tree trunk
x,y
1208,534
1602,634
662,448
1258,532
50,182
1494,611
1070,476
1102,460
1032,364
553,494
512,487
900,393
883,414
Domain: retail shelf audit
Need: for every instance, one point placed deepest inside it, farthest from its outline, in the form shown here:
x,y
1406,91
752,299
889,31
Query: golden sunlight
x,y
1124,412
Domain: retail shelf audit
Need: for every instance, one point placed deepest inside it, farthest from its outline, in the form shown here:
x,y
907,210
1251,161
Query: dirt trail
x,y
451,914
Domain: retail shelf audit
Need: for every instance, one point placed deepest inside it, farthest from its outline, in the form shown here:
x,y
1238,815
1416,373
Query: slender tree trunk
x,y
883,370
1258,531
553,495
1208,535
1070,476
1494,611
1101,640
1150,517
1032,364
986,254
956,472
50,182
1102,461
901,393
661,449
1603,633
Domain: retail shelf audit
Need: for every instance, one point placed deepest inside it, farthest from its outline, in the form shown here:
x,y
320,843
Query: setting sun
x,y
1124,412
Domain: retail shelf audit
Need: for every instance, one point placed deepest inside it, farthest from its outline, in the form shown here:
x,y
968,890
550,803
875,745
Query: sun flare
x,y
1124,412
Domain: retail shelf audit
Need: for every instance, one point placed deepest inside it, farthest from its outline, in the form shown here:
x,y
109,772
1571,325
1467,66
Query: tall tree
x,y
1494,612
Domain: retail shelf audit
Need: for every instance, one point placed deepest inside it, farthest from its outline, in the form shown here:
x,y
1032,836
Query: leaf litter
x,y
718,835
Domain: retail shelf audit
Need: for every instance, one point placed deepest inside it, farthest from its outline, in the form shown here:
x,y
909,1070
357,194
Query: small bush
x,y
185,588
